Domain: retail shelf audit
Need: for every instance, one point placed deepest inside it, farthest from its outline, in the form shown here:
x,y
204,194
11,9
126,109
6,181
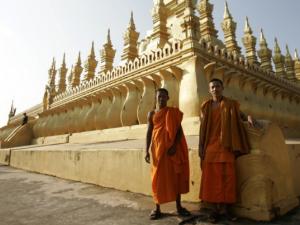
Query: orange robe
x,y
170,174
222,134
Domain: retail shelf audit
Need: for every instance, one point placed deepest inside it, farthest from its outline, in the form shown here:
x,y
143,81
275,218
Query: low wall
x,y
5,156
118,165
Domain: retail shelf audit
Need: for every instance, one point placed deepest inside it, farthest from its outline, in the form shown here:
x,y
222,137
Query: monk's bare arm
x,y
149,135
251,121
172,150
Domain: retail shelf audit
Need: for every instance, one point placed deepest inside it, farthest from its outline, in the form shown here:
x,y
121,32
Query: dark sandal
x,y
230,217
183,212
155,214
213,218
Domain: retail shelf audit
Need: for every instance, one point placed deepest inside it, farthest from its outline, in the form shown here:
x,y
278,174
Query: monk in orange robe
x,y
170,167
222,139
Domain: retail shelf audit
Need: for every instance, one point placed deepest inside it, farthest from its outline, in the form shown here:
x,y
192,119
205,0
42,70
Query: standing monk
x,y
170,169
222,139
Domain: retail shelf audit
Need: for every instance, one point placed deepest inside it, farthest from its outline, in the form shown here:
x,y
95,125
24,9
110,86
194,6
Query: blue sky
x,y
34,31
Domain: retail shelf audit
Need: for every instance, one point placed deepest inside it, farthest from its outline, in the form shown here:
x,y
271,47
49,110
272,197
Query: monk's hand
x,y
171,151
253,122
147,157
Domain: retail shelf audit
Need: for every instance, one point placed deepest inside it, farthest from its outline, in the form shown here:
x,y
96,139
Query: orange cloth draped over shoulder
x,y
170,174
232,135
222,134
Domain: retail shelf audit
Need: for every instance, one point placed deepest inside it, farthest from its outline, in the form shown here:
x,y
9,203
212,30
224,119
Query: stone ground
x,y
35,199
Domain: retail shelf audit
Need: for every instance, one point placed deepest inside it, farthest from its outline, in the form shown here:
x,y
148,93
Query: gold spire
x,y
278,59
296,55
90,65
108,40
77,70
62,74
247,28
289,65
159,18
207,26
92,53
229,27
249,42
52,73
107,55
130,51
265,54
78,60
50,89
12,111
70,77
227,14
131,22
190,22
297,67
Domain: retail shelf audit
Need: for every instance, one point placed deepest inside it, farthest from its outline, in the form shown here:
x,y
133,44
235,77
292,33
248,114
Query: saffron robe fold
x,y
170,174
233,135
218,180
222,134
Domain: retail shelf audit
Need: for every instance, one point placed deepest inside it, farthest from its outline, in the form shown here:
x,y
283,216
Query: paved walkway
x,y
35,199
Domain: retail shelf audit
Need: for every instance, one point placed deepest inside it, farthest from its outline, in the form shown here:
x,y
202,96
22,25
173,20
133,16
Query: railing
x,y
120,71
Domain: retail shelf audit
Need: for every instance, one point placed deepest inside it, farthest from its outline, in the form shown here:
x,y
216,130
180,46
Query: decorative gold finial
x,y
249,42
50,89
52,73
229,28
70,77
77,70
53,63
227,14
108,40
107,55
278,59
92,53
159,18
131,22
12,111
62,75
90,65
64,60
289,65
190,23
247,28
297,67
130,51
262,39
296,54
265,54
207,26
79,60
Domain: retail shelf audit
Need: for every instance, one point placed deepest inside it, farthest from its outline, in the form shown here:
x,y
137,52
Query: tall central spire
x,y
159,17
207,26
130,51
